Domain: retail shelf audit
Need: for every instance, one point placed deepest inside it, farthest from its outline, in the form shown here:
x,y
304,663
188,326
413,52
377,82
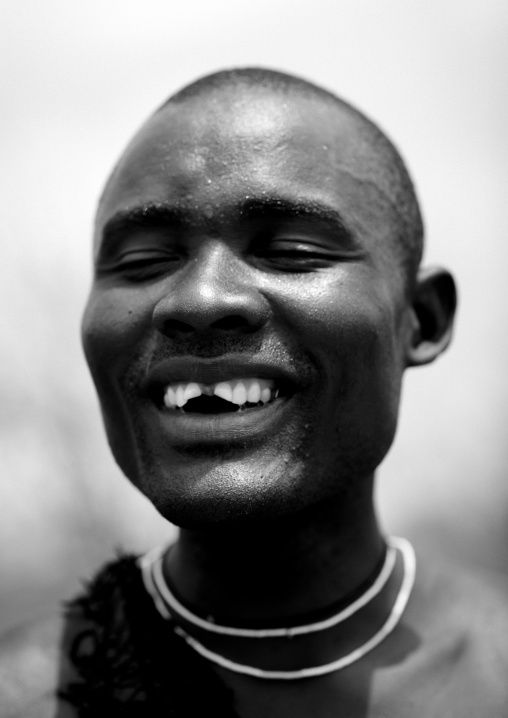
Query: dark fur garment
x,y
130,661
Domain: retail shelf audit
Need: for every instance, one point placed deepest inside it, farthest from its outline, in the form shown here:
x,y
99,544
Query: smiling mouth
x,y
236,395
226,402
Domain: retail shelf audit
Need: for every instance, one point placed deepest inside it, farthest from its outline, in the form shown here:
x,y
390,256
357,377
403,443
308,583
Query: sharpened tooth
x,y
224,390
253,391
239,393
192,390
180,395
170,397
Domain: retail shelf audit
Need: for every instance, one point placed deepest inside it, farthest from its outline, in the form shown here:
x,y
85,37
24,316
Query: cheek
x,y
344,319
351,330
113,327
114,323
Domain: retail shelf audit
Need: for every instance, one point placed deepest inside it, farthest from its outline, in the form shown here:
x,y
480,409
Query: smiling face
x,y
248,320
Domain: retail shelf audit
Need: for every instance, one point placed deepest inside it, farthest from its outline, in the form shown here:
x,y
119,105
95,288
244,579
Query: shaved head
x,y
409,229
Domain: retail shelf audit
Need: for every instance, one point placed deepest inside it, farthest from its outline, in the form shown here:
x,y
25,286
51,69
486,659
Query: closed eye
x,y
297,255
140,266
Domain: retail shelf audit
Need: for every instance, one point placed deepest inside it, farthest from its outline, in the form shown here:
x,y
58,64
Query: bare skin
x,y
263,248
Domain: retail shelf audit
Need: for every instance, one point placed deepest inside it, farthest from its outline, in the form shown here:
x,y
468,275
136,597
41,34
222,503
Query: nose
x,y
214,291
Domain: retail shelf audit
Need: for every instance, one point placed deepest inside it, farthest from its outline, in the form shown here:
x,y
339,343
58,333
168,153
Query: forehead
x,y
215,150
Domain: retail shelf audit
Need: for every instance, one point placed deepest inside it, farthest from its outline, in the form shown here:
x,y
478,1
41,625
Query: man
x,y
257,297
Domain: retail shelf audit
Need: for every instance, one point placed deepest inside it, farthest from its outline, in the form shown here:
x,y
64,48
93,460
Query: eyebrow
x,y
250,209
147,215
307,209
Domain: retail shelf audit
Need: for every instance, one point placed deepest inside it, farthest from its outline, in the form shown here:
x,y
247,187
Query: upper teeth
x,y
237,391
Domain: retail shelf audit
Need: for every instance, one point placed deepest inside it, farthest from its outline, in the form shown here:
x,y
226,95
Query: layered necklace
x,y
171,609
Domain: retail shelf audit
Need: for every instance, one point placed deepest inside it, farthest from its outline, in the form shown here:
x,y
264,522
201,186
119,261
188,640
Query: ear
x,y
433,310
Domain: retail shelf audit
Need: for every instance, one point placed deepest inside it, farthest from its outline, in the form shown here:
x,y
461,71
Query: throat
x,y
296,565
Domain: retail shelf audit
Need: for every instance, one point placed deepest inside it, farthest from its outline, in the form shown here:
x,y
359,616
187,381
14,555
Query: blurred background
x,y
77,80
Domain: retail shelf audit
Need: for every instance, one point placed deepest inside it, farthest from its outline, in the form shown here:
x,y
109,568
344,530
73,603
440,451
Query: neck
x,y
278,568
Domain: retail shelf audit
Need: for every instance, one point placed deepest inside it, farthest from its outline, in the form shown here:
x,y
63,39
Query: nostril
x,y
231,322
172,327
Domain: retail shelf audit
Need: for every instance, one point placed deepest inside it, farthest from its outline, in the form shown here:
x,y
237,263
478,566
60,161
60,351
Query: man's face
x,y
247,324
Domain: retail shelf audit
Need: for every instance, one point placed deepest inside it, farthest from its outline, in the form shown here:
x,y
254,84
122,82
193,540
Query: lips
x,y
210,401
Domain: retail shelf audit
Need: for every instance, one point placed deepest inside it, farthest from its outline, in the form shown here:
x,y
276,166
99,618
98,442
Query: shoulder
x,y
471,601
461,618
482,617
32,667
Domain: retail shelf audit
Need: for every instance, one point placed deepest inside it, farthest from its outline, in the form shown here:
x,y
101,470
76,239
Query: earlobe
x,y
433,310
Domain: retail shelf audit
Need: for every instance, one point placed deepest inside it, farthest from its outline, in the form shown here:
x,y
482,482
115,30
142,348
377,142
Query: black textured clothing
x,y
129,660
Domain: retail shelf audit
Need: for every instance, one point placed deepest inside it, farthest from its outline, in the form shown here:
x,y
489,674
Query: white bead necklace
x,y
151,567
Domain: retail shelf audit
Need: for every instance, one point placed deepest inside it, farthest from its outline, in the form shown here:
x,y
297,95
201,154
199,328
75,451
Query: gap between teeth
x,y
239,391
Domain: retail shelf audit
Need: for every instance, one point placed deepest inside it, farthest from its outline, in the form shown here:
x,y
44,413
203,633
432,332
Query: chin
x,y
208,494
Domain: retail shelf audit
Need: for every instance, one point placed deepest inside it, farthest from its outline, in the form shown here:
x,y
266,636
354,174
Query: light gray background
x,y
77,79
